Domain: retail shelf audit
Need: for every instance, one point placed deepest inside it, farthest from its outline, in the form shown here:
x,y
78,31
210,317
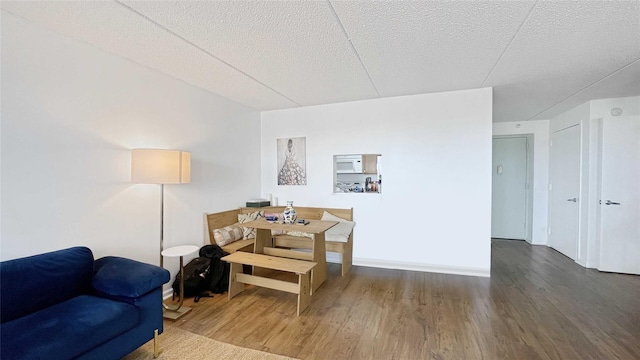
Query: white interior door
x,y
620,195
564,169
508,204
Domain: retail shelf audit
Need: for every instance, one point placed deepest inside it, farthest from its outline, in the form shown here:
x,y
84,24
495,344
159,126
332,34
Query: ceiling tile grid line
x,y
515,34
424,47
203,50
346,34
562,48
587,87
109,27
297,47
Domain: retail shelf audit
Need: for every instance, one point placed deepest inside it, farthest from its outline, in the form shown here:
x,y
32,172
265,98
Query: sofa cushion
x,y
228,234
334,237
36,282
250,233
341,231
300,234
68,329
338,233
119,277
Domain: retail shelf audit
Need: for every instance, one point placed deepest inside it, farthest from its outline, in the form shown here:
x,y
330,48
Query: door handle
x,y
609,202
573,199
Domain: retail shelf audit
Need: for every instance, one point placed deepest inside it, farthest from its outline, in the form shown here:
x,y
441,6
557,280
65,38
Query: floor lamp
x,y
158,166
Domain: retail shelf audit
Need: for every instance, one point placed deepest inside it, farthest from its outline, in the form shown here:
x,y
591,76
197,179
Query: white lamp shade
x,y
158,166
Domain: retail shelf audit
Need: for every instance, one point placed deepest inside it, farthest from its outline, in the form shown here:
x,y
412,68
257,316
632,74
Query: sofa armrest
x,y
120,277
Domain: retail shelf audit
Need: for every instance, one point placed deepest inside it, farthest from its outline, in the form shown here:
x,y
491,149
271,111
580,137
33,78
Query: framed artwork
x,y
292,162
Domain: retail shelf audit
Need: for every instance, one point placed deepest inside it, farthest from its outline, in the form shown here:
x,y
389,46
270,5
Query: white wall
x,y
540,131
70,115
569,118
602,108
434,213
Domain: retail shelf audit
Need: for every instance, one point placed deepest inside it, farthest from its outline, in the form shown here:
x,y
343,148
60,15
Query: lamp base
x,y
175,314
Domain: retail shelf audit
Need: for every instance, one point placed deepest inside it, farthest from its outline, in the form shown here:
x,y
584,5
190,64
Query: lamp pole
x,y
161,224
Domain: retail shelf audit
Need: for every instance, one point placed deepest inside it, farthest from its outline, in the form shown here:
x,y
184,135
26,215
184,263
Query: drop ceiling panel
x,y
114,28
622,83
551,100
562,48
296,48
420,47
541,57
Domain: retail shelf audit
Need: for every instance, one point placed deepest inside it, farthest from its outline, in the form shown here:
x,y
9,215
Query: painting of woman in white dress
x,y
292,161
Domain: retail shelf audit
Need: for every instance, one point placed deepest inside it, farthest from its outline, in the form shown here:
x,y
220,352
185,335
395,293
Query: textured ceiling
x,y
541,57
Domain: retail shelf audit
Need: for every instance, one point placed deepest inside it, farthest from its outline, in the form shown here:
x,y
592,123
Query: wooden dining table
x,y
263,244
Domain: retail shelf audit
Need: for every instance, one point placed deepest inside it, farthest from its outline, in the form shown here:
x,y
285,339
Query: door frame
x,y
590,159
528,217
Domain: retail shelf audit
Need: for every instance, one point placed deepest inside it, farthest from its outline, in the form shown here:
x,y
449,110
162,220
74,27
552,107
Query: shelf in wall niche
x,y
353,192
357,171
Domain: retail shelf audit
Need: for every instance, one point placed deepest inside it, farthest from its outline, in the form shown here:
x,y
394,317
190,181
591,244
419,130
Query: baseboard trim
x,y
400,265
334,258
167,293
394,265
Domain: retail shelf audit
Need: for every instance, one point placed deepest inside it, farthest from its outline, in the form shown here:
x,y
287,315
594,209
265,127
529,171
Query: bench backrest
x,y
307,213
221,219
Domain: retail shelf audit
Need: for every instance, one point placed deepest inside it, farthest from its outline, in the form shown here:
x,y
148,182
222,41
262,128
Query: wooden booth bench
x,y
342,244
220,220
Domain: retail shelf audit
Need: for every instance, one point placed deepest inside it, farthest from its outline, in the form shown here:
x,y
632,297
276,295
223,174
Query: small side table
x,y
181,251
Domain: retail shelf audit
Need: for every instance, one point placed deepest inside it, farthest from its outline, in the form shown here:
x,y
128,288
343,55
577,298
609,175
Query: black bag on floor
x,y
196,273
212,252
218,278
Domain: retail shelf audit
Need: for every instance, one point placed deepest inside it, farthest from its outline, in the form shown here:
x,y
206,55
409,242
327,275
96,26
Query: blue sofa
x,y
65,305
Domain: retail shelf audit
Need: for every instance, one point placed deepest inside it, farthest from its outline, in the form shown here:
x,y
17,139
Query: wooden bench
x,y
220,220
303,268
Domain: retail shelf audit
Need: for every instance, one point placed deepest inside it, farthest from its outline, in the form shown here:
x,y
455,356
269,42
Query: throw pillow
x,y
299,233
227,235
340,232
249,233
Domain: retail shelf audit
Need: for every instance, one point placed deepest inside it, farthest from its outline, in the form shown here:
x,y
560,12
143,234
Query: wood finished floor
x,y
538,304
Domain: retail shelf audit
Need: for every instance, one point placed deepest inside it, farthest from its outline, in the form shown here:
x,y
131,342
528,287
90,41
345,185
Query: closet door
x,y
565,188
620,195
